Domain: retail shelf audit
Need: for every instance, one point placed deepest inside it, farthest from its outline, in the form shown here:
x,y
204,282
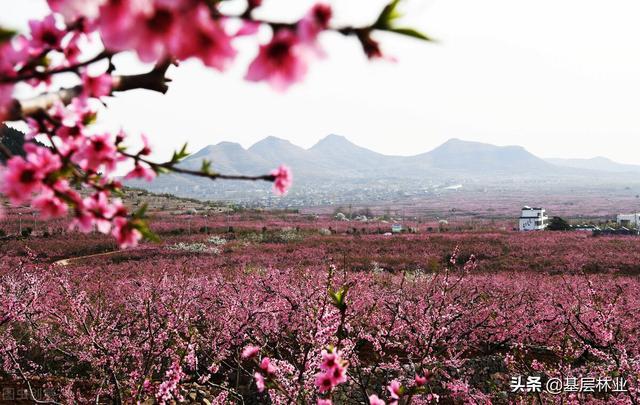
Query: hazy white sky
x,y
559,77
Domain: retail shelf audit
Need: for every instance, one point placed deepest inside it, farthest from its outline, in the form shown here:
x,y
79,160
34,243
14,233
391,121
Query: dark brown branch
x,y
170,166
215,176
153,80
48,73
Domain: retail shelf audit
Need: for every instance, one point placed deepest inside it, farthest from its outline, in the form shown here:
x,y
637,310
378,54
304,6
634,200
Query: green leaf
x,y
206,166
338,297
410,32
179,155
90,118
141,225
146,232
140,213
6,34
388,15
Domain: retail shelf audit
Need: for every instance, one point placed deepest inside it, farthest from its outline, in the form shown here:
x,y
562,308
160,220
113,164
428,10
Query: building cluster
x,y
536,219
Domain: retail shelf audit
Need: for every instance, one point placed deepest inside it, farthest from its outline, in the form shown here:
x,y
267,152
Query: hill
x,y
336,166
599,163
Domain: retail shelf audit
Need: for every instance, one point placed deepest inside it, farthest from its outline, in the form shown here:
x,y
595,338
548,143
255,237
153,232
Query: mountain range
x,y
336,159
336,155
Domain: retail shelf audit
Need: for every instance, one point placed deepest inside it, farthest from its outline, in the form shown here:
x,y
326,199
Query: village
x,y
536,219
531,219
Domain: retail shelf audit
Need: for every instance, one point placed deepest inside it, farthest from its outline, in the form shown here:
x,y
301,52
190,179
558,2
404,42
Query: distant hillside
x,y
336,165
12,139
336,156
598,163
460,157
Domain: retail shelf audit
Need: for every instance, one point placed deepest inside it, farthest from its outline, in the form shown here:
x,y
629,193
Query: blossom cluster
x,y
265,329
65,152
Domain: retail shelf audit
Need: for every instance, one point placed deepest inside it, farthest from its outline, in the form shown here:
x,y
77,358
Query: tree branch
x,y
154,80
26,381
171,166
48,73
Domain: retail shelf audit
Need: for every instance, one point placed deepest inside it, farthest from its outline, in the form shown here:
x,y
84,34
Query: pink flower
x,y
334,371
339,375
267,366
101,210
73,9
322,401
281,62
146,147
324,382
191,358
153,31
126,235
72,51
82,220
248,28
206,39
49,205
45,35
283,179
313,23
68,116
143,172
13,53
42,158
96,86
250,351
96,153
329,360
259,381
374,400
20,179
170,386
422,380
117,19
395,389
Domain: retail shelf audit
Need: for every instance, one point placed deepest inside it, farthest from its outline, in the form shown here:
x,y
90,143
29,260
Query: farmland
x,y
468,309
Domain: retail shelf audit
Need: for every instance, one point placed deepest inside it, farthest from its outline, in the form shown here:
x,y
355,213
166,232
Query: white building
x,y
628,220
533,219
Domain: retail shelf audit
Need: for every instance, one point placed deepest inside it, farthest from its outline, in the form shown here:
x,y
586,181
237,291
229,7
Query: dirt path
x,y
70,260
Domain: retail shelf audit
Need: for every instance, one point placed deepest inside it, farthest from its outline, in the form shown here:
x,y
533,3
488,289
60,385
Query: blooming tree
x,y
72,154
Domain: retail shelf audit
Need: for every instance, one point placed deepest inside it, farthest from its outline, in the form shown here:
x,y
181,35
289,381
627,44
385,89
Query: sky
x,y
559,77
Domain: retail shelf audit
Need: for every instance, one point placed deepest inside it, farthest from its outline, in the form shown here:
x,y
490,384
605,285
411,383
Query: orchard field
x,y
450,317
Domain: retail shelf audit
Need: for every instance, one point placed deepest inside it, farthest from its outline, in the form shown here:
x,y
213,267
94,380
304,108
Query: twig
x,y
47,73
26,380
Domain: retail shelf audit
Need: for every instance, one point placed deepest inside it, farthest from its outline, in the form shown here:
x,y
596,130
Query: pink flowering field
x,y
272,310
107,301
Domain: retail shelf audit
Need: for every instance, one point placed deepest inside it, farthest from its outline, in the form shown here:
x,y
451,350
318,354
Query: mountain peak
x,y
456,144
220,147
332,141
270,142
